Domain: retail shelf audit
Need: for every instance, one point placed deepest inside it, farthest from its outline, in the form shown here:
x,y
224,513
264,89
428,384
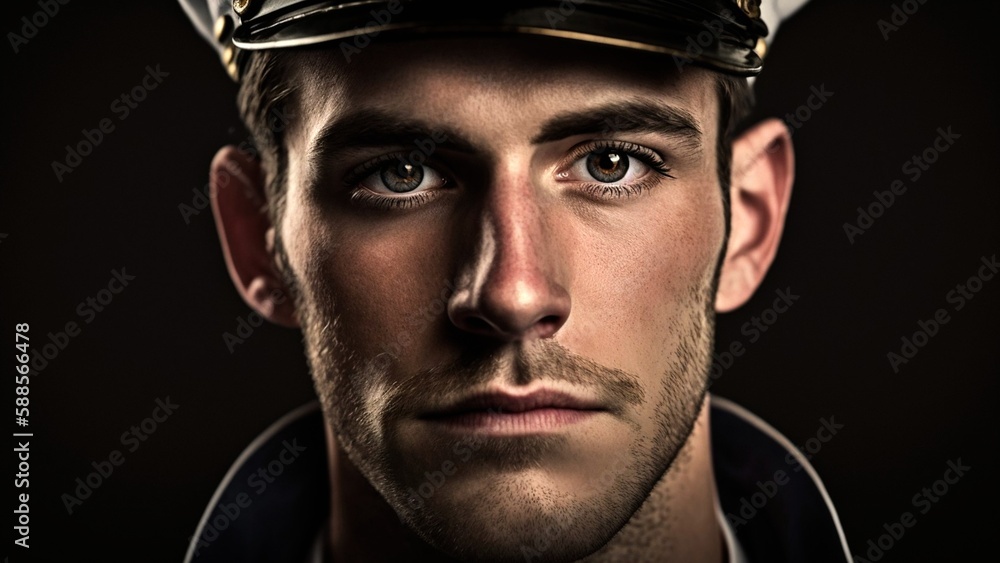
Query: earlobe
x,y
239,207
763,170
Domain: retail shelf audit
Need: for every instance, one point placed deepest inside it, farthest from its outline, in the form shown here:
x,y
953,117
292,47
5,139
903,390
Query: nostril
x,y
549,320
548,325
510,310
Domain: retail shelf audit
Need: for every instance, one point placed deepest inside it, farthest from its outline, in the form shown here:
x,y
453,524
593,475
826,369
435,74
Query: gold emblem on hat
x,y
241,6
750,7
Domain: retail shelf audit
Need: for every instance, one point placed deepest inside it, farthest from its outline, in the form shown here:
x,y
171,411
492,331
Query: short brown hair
x,y
266,91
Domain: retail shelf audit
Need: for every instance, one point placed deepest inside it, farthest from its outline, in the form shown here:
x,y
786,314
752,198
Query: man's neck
x,y
677,522
363,527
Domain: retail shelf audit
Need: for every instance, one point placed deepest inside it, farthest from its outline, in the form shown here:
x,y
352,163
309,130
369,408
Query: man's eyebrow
x,y
632,116
377,128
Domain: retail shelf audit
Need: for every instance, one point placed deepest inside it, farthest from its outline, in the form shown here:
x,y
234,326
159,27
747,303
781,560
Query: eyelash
x,y
367,198
615,191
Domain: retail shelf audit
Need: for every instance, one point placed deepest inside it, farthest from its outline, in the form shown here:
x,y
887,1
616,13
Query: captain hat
x,y
723,35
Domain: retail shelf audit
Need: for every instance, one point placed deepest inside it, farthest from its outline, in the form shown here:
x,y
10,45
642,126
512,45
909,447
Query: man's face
x,y
504,253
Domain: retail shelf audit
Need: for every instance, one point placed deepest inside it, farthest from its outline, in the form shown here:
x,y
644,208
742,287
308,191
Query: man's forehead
x,y
516,62
504,84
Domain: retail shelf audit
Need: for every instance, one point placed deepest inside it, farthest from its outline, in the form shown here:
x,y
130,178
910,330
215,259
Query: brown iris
x,y
404,177
607,165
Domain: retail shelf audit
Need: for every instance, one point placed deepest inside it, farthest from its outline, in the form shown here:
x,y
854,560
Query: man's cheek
x,y
389,302
667,287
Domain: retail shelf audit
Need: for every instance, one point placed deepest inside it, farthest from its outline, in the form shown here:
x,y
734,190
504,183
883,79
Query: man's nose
x,y
510,284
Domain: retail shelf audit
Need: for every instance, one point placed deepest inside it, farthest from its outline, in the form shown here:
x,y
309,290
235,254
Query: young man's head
x,y
505,254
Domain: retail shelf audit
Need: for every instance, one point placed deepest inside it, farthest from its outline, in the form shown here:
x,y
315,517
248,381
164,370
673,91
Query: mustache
x,y
544,361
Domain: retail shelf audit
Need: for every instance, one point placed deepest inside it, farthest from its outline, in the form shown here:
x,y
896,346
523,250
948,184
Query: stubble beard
x,y
507,520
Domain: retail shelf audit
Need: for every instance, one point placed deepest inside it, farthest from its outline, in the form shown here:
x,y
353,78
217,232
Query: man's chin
x,y
521,516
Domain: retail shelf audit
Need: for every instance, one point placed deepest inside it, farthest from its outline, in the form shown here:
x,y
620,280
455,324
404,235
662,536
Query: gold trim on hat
x,y
549,32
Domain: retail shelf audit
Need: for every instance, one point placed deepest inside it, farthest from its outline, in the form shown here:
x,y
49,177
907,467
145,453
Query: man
x,y
504,231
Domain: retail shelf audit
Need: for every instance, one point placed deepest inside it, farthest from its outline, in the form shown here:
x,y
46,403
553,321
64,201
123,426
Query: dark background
x,y
825,357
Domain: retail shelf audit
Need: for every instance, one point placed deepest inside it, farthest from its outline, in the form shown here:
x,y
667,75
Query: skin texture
x,y
515,270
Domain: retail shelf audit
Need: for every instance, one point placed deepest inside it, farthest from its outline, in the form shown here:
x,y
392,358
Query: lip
x,y
506,413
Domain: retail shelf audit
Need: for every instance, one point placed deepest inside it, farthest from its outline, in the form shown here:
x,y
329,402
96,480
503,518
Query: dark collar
x,y
274,500
771,495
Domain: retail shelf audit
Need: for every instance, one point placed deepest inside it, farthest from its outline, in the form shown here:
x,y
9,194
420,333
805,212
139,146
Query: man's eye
x,y
614,169
393,182
401,177
611,166
610,169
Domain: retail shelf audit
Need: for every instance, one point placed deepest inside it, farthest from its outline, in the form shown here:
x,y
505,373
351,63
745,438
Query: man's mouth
x,y
508,413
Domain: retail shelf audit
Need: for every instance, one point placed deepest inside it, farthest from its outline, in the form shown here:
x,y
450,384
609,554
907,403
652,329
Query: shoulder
x,y
273,500
770,494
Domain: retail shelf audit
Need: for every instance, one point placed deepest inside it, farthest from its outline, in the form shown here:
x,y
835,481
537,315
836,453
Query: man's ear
x,y
763,169
238,204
